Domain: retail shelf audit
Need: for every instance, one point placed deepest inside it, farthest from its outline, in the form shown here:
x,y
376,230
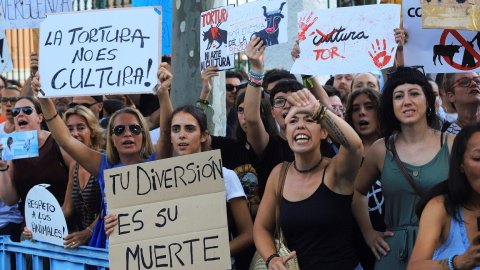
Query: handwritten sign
x,y
347,40
438,50
44,216
214,39
19,145
103,52
29,13
5,60
171,213
451,14
267,19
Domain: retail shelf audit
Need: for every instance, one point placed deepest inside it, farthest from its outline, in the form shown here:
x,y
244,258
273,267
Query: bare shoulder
x,y
450,139
376,153
436,208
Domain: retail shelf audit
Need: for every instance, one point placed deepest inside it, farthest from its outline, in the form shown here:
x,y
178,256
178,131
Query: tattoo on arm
x,y
337,132
444,263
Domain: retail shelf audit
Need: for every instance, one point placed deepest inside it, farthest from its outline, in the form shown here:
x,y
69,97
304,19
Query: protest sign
x,y
347,40
19,145
44,216
29,13
213,40
451,14
267,19
438,50
5,60
114,51
171,213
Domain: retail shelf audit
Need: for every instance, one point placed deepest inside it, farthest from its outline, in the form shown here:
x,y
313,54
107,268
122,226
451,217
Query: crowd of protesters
x,y
352,175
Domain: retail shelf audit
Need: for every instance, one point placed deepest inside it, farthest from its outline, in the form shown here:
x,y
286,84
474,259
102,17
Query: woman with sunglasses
x,y
407,115
17,177
128,142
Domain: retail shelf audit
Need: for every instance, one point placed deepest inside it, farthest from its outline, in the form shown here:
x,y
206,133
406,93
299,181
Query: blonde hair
x,y
98,139
147,147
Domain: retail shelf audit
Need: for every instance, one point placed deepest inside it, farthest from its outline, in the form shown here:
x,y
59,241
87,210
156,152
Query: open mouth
x,y
127,143
363,123
182,146
22,123
475,91
8,112
301,138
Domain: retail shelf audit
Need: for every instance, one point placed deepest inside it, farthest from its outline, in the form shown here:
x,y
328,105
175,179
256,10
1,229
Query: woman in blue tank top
x,y
448,237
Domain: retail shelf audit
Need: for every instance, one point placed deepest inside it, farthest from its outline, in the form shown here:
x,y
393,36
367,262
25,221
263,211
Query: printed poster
x,y
347,40
19,145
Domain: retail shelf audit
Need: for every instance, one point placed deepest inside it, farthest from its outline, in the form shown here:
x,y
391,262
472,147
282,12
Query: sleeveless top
x,y
48,168
87,201
401,199
457,240
319,229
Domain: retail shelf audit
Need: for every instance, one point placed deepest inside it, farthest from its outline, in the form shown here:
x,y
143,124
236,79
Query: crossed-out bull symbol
x,y
215,34
269,35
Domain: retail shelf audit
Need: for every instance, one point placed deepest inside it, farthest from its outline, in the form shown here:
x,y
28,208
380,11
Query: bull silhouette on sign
x,y
215,34
269,35
445,50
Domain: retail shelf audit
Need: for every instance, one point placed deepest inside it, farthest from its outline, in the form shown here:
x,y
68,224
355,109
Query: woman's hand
x,y
164,80
302,101
376,241
33,63
76,239
110,223
254,52
207,79
27,233
3,164
295,51
401,35
35,84
471,258
278,263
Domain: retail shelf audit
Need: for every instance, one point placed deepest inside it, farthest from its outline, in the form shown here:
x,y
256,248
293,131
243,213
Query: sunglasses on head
x,y
419,68
26,110
12,100
88,105
120,129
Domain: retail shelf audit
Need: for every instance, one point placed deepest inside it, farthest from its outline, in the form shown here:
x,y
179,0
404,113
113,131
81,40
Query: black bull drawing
x,y
215,34
269,35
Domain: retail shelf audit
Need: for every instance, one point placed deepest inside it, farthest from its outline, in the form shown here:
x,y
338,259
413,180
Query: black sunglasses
x,y
12,100
419,68
26,110
88,105
230,87
120,129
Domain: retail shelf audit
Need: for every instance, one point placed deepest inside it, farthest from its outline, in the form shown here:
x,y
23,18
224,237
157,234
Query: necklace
x,y
307,170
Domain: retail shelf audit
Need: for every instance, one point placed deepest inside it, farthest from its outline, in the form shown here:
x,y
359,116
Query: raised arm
x,y
164,148
85,156
257,136
207,82
8,191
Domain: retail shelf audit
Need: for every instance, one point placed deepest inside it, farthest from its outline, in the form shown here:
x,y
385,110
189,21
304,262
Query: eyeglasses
x,y
279,102
26,110
465,82
88,105
12,100
120,129
230,87
338,108
419,68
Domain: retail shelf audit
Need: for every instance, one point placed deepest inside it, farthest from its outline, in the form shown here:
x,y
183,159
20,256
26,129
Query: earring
x,y
429,111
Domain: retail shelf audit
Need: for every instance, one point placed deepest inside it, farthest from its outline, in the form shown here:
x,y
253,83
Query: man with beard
x,y
343,82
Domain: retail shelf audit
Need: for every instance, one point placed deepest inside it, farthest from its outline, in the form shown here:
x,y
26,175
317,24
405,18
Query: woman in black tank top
x,y
314,212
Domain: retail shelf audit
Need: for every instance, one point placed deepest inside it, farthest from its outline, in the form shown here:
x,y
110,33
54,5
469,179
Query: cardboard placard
x,y
29,13
347,40
171,213
451,14
44,216
19,145
438,50
114,51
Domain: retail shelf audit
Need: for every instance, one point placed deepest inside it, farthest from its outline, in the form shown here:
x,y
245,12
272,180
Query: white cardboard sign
x,y
100,52
347,40
44,216
29,13
5,60
438,50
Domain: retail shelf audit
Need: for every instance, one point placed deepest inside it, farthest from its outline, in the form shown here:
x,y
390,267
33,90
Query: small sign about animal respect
x,y
214,39
29,13
102,52
44,216
347,40
451,14
267,19
438,50
171,214
19,145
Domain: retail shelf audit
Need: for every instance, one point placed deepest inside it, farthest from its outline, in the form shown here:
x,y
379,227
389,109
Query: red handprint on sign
x,y
304,24
382,53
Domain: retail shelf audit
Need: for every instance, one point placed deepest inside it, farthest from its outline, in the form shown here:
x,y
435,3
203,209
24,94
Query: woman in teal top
x,y
407,113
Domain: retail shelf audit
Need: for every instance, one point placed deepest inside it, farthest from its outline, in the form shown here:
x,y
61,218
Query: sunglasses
x,y
419,68
465,82
26,110
230,87
88,105
12,100
120,129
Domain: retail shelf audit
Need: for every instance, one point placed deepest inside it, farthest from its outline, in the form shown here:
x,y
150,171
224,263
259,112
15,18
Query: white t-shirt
x,y
154,135
233,186
2,128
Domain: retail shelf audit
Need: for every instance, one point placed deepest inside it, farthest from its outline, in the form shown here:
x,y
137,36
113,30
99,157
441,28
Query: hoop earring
x,y
429,111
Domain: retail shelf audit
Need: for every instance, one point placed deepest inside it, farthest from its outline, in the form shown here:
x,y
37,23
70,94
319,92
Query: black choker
x,y
307,170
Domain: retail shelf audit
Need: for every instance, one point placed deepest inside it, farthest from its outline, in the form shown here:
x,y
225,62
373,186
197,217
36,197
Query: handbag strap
x,y
283,176
402,168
